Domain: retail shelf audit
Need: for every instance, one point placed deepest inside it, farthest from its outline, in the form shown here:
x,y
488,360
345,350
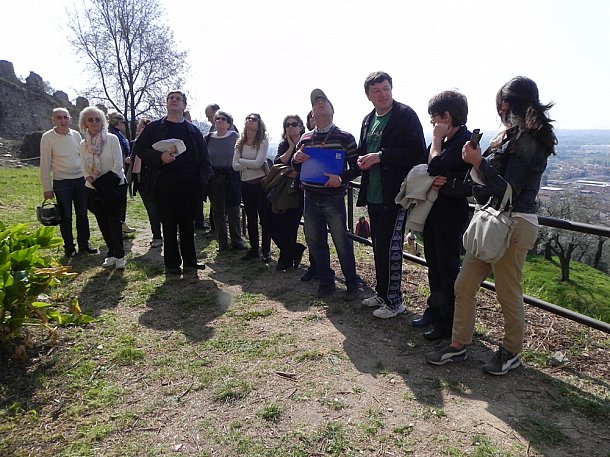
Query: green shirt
x,y
374,193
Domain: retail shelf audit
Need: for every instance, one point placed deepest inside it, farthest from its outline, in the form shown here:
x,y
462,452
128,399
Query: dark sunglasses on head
x,y
94,119
220,118
291,124
252,118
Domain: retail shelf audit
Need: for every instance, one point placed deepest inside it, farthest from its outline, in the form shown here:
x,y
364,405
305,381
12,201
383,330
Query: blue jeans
x,y
322,211
70,192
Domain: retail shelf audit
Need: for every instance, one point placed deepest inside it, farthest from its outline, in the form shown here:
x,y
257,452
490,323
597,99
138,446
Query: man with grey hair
x,y
61,177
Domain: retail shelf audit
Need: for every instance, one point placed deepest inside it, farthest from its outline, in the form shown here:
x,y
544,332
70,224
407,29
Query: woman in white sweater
x,y
250,159
102,163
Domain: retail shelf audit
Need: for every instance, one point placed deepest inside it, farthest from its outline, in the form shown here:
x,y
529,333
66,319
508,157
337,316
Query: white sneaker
x,y
373,302
120,263
126,228
109,262
385,312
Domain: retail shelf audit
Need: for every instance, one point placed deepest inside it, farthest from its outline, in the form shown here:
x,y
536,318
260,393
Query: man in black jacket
x,y
181,180
391,143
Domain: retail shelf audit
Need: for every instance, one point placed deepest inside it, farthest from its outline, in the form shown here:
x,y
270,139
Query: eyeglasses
x,y
220,118
251,118
291,124
94,119
61,117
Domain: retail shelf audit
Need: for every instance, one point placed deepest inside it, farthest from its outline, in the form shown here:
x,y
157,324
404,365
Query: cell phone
x,y
475,137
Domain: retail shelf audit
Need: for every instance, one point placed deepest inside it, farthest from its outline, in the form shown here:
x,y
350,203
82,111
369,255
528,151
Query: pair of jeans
x,y
387,233
508,273
153,215
322,211
257,208
70,192
217,193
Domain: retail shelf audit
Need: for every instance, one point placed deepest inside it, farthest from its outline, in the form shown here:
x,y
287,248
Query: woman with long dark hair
x,y
516,157
284,225
250,158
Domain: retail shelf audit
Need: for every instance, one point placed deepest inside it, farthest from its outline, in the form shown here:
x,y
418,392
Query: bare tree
x,y
131,52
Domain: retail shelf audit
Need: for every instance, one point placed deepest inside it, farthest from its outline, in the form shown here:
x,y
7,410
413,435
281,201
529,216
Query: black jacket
x,y
402,146
520,161
151,159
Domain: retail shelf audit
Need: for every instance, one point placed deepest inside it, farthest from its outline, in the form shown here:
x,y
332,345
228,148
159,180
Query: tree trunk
x,y
598,253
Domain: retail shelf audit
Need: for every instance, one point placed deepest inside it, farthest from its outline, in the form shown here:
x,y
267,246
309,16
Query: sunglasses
x,y
62,117
94,119
220,118
291,124
253,119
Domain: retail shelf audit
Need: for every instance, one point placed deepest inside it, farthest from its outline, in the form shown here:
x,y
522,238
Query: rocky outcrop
x,y
26,107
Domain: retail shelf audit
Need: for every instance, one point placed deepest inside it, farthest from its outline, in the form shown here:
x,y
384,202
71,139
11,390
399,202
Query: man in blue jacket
x,y
391,143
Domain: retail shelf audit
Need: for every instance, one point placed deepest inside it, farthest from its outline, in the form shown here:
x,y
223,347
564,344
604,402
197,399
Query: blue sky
x,y
266,56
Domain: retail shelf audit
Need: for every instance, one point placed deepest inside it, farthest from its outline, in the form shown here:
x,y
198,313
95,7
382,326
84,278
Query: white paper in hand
x,y
164,145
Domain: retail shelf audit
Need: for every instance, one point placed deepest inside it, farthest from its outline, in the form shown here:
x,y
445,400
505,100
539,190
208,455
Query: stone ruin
x,y
25,108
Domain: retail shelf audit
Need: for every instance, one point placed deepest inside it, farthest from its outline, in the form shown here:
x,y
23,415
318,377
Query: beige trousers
x,y
508,273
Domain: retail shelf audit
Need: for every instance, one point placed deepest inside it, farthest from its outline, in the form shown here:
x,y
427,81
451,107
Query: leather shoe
x,y
435,334
251,254
325,291
423,321
308,276
299,256
87,250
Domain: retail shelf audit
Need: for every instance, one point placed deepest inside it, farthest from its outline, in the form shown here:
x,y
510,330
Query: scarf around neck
x,y
95,146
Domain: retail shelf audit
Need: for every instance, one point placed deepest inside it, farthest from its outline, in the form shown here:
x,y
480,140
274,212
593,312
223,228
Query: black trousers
x,y
108,212
284,229
442,245
387,232
177,195
257,208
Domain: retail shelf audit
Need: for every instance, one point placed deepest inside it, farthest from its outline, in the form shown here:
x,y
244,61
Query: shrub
x,y
26,273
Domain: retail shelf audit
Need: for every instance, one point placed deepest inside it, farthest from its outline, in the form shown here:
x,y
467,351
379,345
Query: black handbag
x,y
48,213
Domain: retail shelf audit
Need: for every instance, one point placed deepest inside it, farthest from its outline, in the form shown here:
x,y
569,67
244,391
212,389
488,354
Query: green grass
x,y
271,412
159,348
587,292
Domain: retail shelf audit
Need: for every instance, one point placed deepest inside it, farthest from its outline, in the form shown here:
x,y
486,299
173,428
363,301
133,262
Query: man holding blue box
x,y
325,201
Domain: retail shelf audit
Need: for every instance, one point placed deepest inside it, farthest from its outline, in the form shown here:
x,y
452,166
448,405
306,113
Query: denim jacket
x,y
520,162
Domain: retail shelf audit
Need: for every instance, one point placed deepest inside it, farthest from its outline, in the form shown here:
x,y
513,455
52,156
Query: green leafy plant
x,y
26,273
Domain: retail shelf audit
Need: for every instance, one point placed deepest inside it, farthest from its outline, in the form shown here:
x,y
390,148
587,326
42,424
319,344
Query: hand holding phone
x,y
475,137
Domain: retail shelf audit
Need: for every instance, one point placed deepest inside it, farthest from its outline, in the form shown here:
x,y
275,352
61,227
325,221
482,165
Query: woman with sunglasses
x,y
285,225
224,190
102,163
250,158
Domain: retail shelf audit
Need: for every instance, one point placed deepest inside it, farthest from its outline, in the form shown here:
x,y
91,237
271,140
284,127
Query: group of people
x,y
230,168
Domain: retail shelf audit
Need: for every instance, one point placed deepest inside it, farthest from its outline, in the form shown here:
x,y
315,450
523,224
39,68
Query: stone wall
x,y
26,107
